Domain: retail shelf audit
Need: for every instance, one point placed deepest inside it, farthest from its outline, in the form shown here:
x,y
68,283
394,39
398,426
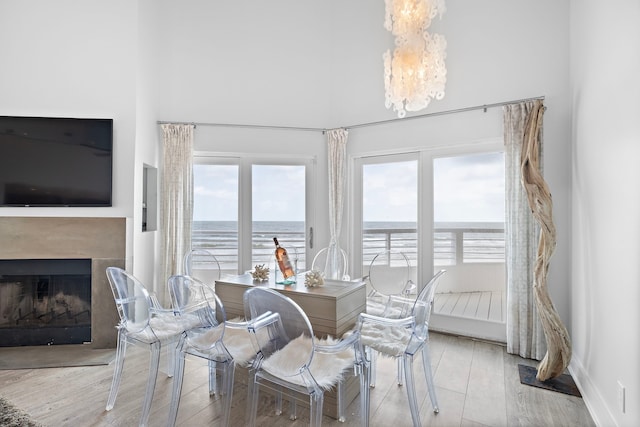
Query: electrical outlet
x,y
621,397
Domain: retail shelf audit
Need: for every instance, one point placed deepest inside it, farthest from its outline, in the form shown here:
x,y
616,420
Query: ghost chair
x,y
389,275
209,272
211,338
141,323
292,359
185,291
208,269
403,338
336,270
205,262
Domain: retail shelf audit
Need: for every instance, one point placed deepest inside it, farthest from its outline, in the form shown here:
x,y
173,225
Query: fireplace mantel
x,y
103,240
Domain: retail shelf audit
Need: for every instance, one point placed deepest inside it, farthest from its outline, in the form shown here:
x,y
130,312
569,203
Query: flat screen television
x,y
47,161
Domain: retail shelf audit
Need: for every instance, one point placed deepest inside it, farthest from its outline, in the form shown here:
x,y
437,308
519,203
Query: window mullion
x,y
244,221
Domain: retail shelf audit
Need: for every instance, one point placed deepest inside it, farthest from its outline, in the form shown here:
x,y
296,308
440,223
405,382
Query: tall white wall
x,y
605,65
319,64
72,58
246,62
147,140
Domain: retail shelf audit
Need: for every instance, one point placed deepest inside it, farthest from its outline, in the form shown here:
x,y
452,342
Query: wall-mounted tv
x,y
47,161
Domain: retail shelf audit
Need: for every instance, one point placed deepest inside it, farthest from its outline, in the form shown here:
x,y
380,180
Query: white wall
x,y
66,59
147,140
246,62
605,65
74,58
320,65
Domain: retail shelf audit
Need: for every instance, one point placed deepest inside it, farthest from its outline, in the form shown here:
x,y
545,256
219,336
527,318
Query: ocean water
x,y
286,226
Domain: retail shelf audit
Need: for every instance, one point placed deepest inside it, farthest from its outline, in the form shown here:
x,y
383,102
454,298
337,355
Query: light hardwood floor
x,y
477,384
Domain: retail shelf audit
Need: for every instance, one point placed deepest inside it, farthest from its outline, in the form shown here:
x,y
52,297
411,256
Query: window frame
x,y
245,161
425,215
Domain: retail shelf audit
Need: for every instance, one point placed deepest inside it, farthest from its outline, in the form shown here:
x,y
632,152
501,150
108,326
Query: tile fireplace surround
x,y
103,240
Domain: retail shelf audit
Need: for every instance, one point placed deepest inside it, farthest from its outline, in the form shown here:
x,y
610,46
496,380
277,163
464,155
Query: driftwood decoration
x,y
558,344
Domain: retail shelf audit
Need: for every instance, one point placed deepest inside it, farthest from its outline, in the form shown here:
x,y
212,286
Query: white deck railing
x,y
453,245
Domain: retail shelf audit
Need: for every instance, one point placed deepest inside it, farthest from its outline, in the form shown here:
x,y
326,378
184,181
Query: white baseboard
x,y
596,405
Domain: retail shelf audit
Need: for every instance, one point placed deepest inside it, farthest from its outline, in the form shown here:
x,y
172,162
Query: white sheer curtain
x,y
525,335
337,151
176,212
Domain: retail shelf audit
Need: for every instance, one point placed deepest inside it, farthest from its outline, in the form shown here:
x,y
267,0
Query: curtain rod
x,y
445,112
237,125
381,122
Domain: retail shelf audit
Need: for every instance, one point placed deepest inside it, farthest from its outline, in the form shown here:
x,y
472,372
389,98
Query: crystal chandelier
x,y
416,71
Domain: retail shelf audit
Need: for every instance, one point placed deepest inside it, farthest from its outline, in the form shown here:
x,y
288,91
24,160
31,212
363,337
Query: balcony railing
x,y
458,245
454,244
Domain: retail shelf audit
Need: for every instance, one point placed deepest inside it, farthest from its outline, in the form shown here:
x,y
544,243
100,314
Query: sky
x,y
276,190
469,188
466,188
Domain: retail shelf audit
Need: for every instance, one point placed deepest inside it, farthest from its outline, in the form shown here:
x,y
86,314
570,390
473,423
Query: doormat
x,y
54,356
562,384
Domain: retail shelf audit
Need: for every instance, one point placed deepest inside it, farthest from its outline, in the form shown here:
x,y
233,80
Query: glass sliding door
x,y
215,213
468,238
390,210
240,205
444,208
278,210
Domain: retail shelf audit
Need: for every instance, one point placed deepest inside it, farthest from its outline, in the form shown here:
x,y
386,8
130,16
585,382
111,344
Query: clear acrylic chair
x,y
206,340
141,323
389,275
338,270
292,359
207,264
403,338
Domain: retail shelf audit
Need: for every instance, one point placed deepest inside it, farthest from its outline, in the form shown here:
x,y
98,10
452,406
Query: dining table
x,y
332,309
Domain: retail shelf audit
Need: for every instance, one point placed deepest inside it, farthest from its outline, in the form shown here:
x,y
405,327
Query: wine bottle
x,y
283,260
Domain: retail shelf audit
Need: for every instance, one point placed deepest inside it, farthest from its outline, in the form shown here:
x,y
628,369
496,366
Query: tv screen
x,y
46,161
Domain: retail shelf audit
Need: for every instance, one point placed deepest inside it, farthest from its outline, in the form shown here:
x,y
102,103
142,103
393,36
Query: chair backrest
x,y
132,299
335,269
185,290
197,302
207,262
423,305
292,323
390,273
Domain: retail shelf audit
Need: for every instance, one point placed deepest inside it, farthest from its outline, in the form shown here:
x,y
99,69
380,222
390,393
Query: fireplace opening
x,y
45,302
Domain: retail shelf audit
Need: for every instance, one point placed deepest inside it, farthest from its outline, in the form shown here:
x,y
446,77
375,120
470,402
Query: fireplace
x,y
45,302
95,243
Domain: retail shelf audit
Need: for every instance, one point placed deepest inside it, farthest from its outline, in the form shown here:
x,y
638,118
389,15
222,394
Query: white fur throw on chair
x,y
326,368
387,340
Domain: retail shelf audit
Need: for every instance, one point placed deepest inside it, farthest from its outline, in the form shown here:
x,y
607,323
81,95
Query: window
x,y
468,207
444,208
240,205
390,210
468,242
386,209
278,210
215,212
